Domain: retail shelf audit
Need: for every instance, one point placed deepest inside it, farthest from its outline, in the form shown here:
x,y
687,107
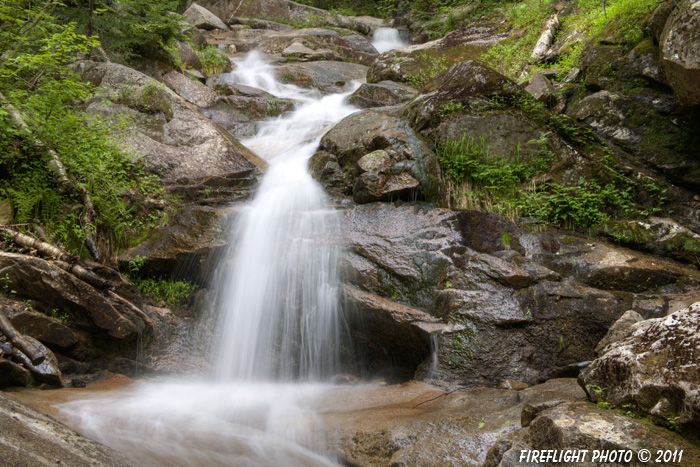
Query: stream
x,y
280,321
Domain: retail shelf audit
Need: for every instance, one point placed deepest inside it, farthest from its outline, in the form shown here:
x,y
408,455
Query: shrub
x,y
214,61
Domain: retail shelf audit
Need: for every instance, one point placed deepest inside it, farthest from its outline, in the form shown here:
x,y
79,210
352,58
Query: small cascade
x,y
433,357
385,39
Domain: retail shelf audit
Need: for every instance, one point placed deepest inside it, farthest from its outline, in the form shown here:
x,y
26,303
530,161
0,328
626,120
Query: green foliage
x,y
432,66
214,61
171,292
6,288
35,79
377,8
129,28
589,20
471,158
452,108
501,184
527,17
59,315
158,288
580,206
490,182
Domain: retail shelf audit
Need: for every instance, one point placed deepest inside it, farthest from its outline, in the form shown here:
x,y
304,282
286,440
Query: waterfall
x,y
385,39
279,319
280,314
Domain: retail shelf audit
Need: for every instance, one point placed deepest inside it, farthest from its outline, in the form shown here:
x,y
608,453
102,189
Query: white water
x,y
279,320
385,39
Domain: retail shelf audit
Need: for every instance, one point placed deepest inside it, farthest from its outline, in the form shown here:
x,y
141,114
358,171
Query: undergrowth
x,y
504,184
172,292
214,60
588,20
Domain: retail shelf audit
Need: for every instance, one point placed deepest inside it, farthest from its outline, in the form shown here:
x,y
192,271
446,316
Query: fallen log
x,y
545,40
43,248
85,275
63,180
27,348
61,259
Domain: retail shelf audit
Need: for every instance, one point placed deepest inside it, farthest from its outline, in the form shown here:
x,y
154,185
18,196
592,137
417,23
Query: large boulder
x,y
384,93
189,89
170,137
584,429
408,164
315,44
654,368
51,286
202,18
326,76
680,53
462,84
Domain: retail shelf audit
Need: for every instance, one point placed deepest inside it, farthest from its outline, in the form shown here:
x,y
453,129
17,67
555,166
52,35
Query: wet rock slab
x,y
418,424
29,438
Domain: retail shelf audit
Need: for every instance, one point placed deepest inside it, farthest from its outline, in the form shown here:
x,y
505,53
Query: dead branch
x,y
32,352
438,397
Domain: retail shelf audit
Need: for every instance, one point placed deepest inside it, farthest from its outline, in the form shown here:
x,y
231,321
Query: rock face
x,y
654,368
384,93
496,292
170,137
680,54
407,163
398,330
202,18
583,426
30,438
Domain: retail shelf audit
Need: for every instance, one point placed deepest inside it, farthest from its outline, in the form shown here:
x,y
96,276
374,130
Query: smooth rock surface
x,y
29,438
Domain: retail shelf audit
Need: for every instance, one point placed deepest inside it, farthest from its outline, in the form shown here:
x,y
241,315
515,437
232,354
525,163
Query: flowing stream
x,y
385,39
280,321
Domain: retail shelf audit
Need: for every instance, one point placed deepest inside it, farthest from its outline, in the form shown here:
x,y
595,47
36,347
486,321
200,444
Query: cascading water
x,y
279,321
385,39
280,314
